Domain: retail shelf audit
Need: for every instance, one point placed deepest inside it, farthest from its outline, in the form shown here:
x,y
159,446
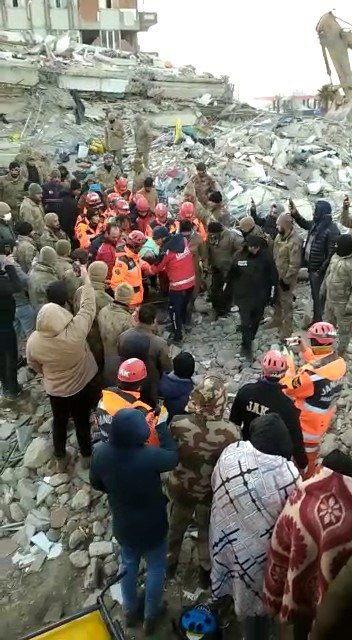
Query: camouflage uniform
x,y
107,178
201,435
144,138
40,277
113,320
101,300
338,307
50,237
203,186
12,192
140,174
114,138
287,256
33,212
189,195
24,252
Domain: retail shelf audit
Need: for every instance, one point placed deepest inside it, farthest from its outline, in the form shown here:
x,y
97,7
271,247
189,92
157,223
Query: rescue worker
x,y
114,138
141,215
125,226
248,229
316,386
112,200
12,188
176,261
266,396
52,232
217,208
32,210
197,249
107,250
255,281
143,138
220,249
87,228
150,194
89,199
26,249
318,248
163,218
52,193
127,395
189,195
64,260
121,187
128,267
140,174
107,174
203,183
187,212
338,285
287,254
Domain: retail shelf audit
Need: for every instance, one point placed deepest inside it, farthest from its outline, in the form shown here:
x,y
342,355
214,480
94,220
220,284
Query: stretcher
x,y
92,623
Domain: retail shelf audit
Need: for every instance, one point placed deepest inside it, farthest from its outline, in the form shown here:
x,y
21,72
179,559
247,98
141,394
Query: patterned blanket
x,y
250,489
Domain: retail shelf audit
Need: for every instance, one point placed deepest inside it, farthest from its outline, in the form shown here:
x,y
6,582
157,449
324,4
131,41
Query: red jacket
x,y
107,253
177,263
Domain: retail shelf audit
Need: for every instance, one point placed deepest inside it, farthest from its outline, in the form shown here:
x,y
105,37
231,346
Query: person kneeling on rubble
x,y
129,473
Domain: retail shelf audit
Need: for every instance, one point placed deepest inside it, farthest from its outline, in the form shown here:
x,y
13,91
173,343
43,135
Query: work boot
x,y
150,624
203,578
132,619
246,353
63,463
175,339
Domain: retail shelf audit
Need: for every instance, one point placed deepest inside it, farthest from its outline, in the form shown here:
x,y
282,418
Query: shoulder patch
x,y
296,382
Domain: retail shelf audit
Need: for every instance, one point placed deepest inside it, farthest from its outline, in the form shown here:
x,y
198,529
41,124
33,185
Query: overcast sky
x,y
265,47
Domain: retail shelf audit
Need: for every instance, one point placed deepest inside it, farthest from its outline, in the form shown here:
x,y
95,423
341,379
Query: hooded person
x,y
32,210
129,473
52,232
114,319
201,436
251,483
12,188
176,386
310,545
318,248
58,350
64,261
26,248
43,272
337,287
97,273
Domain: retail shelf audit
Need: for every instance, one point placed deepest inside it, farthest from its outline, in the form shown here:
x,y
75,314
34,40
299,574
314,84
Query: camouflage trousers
x,y
335,313
283,312
181,516
144,155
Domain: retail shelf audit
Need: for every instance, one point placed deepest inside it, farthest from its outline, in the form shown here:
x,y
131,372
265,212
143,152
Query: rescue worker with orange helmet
x,y
112,200
121,188
88,227
141,215
266,396
163,218
187,212
315,387
123,222
128,267
127,395
92,200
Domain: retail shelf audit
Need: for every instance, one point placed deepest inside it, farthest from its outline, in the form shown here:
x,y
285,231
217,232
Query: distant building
x,y
285,104
114,23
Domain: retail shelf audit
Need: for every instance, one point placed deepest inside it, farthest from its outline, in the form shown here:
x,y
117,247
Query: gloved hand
x,y
283,285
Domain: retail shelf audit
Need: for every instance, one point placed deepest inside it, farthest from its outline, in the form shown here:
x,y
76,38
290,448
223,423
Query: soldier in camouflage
x,y
144,137
338,287
26,248
201,436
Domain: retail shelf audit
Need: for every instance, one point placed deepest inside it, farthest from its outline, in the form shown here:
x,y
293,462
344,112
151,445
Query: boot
x,y
85,462
171,571
247,352
63,463
151,624
203,578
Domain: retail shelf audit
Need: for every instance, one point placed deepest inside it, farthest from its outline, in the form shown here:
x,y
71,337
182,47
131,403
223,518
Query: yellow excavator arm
x,y
336,42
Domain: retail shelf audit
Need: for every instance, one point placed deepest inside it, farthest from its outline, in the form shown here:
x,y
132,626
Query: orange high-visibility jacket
x,y
128,268
198,225
315,388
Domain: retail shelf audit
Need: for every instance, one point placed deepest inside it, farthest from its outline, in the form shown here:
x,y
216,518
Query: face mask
x,y
8,217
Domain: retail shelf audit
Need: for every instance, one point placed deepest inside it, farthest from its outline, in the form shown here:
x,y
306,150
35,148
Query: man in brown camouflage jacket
x,y
202,434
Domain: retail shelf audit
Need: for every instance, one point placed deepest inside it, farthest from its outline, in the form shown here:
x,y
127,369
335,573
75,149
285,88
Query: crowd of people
x,y
84,267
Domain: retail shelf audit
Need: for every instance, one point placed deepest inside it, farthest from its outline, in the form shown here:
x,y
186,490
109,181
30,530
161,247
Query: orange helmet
x,y
186,211
121,185
274,364
113,197
161,212
136,239
92,199
322,332
142,204
122,207
132,370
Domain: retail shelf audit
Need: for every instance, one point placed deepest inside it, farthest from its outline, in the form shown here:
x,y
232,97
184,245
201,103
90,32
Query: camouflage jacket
x,y
200,444
221,256
143,137
24,252
203,186
113,320
107,178
288,256
33,213
40,277
64,264
50,237
12,192
338,281
101,300
114,135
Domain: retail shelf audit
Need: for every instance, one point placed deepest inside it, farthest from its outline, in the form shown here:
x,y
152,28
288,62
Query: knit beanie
x,y
63,248
35,189
4,209
270,435
50,219
55,173
23,228
124,293
57,292
344,245
48,256
98,271
246,224
184,365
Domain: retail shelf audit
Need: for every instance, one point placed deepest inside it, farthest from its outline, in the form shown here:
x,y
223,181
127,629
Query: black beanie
x,y
344,245
339,462
23,228
215,197
270,435
184,365
57,292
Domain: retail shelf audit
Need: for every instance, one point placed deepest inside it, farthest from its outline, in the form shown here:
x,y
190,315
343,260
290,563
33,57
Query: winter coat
x,y
9,285
203,186
254,275
138,180
101,300
151,196
114,135
177,262
334,616
129,472
64,264
50,237
24,252
106,253
37,174
220,256
339,281
7,233
320,243
288,255
113,319
107,178
268,224
143,137
33,213
58,347
258,232
40,276
175,392
11,192
158,348
52,197
68,213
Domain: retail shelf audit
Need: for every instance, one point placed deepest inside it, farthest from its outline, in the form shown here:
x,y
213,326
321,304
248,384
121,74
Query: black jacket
x,y
68,213
320,243
254,275
261,398
9,284
268,224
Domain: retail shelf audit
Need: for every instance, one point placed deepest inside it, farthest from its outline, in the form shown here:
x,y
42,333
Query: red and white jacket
x,y
177,263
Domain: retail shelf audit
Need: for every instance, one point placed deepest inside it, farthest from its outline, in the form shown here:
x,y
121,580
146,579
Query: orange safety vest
x,y
198,225
114,399
85,234
128,268
315,389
